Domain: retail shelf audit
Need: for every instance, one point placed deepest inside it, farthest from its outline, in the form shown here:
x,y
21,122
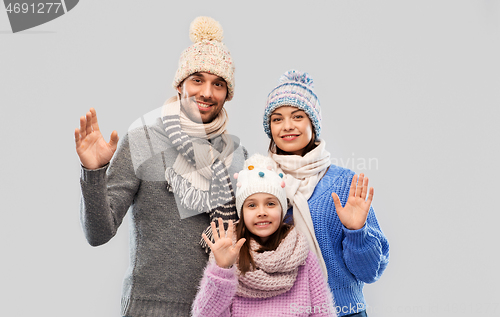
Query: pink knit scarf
x,y
276,270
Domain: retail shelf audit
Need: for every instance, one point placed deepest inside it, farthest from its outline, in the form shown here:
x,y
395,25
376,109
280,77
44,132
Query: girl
x,y
269,271
343,232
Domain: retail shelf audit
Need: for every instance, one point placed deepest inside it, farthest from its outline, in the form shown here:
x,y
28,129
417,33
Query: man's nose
x,y
206,90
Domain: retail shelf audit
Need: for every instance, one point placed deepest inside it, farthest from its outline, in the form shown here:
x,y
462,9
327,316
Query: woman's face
x,y
291,129
262,214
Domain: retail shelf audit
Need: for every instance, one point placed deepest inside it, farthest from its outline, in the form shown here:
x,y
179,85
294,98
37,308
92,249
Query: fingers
x,y
207,240
364,187
222,233
215,234
229,233
77,137
359,185
113,140
83,127
239,244
95,125
352,190
336,201
88,123
370,195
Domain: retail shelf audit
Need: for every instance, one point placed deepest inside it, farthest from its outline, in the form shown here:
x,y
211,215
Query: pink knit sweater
x,y
309,296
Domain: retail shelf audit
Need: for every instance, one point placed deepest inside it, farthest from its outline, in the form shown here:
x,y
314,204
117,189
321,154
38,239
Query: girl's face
x,y
291,129
262,214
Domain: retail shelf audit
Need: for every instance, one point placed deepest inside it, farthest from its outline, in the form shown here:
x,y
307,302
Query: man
x,y
173,173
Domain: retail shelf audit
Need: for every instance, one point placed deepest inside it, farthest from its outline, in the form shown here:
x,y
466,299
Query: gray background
x,y
411,85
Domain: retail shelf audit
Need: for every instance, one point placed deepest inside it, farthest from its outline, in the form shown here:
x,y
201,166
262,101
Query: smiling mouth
x,y
203,105
263,223
290,136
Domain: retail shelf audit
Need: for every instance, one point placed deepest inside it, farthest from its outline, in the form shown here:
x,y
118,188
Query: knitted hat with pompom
x,y
294,89
259,175
208,54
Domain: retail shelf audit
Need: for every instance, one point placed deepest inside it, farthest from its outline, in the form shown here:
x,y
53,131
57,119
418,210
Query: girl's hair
x,y
245,260
273,148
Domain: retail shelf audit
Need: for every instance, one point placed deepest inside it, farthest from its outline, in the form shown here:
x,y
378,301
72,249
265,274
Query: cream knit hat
x,y
259,176
207,54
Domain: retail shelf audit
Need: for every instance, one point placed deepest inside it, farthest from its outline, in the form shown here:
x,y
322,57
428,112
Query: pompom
x,y
282,184
235,175
296,76
261,174
260,161
205,29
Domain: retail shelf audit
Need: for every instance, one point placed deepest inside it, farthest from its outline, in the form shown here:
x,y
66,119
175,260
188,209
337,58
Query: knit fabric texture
x,y
207,54
275,271
166,261
352,257
221,200
309,295
295,89
259,175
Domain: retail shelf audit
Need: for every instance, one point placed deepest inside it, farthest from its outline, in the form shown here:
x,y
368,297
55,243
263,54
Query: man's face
x,y
209,91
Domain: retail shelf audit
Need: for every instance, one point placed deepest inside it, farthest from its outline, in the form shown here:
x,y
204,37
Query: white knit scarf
x,y
302,175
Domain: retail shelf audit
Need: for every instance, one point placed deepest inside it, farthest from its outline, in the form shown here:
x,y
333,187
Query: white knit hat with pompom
x,y
259,175
208,54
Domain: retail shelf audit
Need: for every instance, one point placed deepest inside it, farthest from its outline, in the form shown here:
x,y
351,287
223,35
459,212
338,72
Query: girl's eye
x,y
275,119
251,205
271,204
299,116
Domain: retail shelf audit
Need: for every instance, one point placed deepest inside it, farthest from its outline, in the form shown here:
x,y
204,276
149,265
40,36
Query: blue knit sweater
x,y
352,257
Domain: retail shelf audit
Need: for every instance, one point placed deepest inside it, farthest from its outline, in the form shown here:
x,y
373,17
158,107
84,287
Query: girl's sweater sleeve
x,y
321,296
217,291
107,194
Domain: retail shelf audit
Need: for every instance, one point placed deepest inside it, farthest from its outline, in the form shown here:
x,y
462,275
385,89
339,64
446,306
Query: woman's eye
x,y
275,120
299,116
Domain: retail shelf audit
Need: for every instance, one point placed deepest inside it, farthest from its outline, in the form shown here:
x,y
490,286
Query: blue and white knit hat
x,y
295,89
259,175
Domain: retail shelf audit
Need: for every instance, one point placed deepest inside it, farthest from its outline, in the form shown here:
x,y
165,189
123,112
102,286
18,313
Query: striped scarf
x,y
203,156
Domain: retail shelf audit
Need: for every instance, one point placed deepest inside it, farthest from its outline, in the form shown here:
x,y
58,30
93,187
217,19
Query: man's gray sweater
x,y
166,260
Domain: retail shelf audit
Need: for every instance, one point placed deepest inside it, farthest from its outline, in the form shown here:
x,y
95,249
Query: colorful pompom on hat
x,y
208,54
260,176
295,89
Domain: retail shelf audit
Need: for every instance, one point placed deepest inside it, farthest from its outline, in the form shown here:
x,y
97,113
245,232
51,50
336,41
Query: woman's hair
x,y
273,148
245,260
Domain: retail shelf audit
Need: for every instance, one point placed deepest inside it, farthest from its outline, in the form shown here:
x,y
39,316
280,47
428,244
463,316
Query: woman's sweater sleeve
x,y
107,193
366,251
217,291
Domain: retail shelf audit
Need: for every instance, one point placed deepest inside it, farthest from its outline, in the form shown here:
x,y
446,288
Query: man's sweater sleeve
x,y
217,291
107,193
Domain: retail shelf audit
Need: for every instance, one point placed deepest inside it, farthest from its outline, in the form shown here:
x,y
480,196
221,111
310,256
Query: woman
x,y
331,205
